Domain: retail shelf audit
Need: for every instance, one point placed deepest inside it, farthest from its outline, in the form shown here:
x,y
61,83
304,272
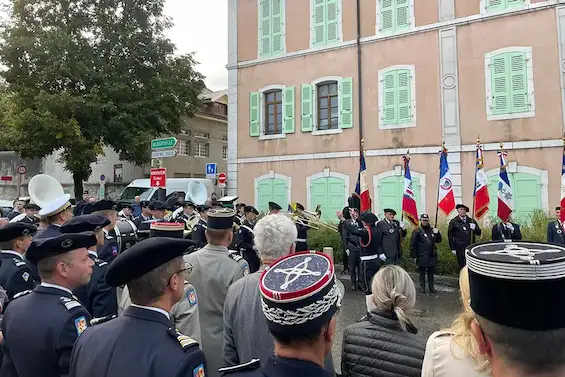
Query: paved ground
x,y
432,312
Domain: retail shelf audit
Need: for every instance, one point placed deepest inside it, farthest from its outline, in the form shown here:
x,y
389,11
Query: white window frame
x,y
397,171
224,149
485,11
382,72
186,143
197,148
325,174
339,25
283,42
272,175
197,134
530,83
262,92
315,84
412,17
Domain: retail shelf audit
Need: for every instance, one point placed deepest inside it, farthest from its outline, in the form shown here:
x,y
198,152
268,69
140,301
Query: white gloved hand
x,y
435,230
402,224
453,252
382,257
510,227
472,226
347,252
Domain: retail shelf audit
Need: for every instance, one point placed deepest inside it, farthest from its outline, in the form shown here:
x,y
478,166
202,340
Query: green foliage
x,y
534,230
81,74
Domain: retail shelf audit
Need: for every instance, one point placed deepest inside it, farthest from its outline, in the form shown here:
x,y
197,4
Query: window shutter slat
x,y
332,16
402,16
518,82
387,15
319,23
289,110
277,26
495,4
254,104
404,82
390,98
346,103
306,108
265,28
500,87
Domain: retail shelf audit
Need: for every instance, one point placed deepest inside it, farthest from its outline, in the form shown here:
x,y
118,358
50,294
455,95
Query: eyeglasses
x,y
188,269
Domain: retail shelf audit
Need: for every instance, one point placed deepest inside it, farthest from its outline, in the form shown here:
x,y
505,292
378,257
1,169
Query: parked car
x,y
6,206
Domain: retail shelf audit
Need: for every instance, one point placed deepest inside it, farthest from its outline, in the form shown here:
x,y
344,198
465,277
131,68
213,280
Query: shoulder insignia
x,y
102,263
25,276
185,341
97,321
69,303
199,371
250,365
203,226
236,257
81,324
21,294
191,296
19,262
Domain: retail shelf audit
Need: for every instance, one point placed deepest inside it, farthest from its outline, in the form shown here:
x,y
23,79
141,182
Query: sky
x,y
201,26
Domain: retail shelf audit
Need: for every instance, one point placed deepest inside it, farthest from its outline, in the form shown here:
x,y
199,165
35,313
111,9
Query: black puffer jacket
x,y
378,347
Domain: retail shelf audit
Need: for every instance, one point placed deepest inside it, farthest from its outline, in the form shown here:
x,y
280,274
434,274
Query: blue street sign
x,y
211,170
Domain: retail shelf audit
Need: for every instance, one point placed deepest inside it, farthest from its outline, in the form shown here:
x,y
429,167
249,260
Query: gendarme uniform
x,y
199,232
15,274
142,342
97,296
109,251
245,242
299,295
41,326
214,270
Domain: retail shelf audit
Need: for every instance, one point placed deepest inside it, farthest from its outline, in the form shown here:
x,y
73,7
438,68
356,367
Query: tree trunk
x,y
79,189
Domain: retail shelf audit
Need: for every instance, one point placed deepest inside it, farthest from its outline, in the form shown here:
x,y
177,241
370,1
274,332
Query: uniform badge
x,y
81,324
465,228
25,276
191,296
391,230
114,250
245,268
199,371
425,235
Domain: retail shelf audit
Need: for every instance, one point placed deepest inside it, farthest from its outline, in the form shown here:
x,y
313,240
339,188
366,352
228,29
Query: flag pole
x,y
475,184
402,169
443,149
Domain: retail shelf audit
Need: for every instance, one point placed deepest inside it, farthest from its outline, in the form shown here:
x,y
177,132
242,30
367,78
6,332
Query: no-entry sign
x,y
158,177
222,178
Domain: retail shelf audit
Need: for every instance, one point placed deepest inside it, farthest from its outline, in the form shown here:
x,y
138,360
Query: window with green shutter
x,y
254,121
329,193
327,105
396,100
395,16
326,22
390,191
526,192
271,27
501,5
272,190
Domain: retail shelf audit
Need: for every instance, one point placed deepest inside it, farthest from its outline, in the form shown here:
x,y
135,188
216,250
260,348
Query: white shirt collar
x,y
158,310
57,225
93,253
49,285
13,253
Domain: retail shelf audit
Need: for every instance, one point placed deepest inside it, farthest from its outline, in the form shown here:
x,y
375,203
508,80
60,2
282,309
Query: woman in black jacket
x,y
423,248
384,342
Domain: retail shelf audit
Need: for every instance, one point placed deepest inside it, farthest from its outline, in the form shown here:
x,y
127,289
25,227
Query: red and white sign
x,y
22,169
222,178
6,178
158,177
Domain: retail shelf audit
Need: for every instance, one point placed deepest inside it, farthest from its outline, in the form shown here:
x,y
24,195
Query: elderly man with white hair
x,y
246,333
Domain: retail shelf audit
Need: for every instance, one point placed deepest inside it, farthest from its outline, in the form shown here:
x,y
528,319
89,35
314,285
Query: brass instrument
x,y
310,218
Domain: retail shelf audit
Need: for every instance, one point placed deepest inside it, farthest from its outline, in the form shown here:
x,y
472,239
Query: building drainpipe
x,y
359,79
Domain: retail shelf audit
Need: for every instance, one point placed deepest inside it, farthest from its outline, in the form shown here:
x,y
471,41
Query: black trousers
x,y
354,264
252,260
301,246
345,260
427,271
461,261
369,269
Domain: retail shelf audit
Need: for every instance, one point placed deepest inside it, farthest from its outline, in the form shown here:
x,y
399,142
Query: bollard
x,y
329,251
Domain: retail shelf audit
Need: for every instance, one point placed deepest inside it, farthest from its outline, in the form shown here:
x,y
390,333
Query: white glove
x,y
472,226
402,224
510,227
453,252
382,257
347,252
435,230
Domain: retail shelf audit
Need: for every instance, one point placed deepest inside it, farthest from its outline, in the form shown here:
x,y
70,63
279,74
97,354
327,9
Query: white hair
x,y
274,236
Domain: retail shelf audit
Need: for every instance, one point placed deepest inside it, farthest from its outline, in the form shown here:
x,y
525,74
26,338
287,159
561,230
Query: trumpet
x,y
311,219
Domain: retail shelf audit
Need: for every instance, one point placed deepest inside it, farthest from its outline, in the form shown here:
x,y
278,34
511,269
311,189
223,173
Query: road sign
x,y
211,170
22,169
166,143
164,154
158,177
102,177
6,178
222,178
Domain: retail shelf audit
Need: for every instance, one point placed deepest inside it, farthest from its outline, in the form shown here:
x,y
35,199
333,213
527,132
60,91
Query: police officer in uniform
x,y
143,341
15,275
199,232
31,211
391,234
460,233
286,293
244,240
423,249
41,326
506,231
274,208
214,269
109,209
97,296
555,229
350,225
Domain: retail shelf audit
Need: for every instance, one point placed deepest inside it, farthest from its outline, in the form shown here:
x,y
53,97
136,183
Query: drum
x,y
125,233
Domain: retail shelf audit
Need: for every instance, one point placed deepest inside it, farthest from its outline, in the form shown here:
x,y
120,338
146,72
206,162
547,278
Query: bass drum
x,y
125,233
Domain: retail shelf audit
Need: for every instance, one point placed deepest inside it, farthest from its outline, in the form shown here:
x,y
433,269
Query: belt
x,y
369,257
301,240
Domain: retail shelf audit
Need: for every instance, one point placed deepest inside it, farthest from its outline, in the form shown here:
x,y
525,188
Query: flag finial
x,y
501,145
478,139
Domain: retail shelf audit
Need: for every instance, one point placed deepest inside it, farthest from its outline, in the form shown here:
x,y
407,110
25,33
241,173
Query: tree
x,y
82,74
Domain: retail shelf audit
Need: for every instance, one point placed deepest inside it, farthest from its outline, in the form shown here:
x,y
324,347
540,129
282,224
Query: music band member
x,y
391,234
459,233
274,208
127,212
302,228
187,211
244,241
31,216
240,216
158,208
372,255
555,229
108,209
506,231
199,232
146,214
423,249
352,247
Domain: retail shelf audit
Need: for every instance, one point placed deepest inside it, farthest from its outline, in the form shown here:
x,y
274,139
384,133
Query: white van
x,y
193,189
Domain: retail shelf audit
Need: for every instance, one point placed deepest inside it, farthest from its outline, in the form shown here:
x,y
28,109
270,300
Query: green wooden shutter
x,y
387,15
254,104
494,5
265,28
402,15
288,98
500,87
346,103
264,194
306,106
518,82
527,196
389,86
277,22
390,193
280,193
319,23
319,194
404,96
332,22
515,3
336,198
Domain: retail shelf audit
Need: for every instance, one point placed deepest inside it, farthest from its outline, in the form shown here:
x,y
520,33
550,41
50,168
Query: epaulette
x,y
109,237
19,262
186,342
250,365
233,255
69,302
97,321
100,262
21,294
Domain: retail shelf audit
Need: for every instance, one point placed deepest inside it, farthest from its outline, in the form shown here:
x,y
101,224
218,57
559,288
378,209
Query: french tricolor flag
x,y
446,198
562,215
505,197
409,207
362,188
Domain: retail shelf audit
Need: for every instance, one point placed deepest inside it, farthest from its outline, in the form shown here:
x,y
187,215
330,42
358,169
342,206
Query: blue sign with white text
x,y
211,169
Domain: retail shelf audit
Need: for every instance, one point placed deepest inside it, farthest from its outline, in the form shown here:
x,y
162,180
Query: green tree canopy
x,y
81,74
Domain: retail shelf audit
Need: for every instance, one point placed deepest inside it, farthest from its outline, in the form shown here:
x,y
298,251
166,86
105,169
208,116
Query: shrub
x,y
533,230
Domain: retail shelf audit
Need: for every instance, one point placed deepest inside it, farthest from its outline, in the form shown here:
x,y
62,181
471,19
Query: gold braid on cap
x,y
221,212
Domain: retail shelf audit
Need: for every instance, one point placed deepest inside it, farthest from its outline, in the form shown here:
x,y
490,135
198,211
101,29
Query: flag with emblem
x,y
362,188
409,207
562,214
480,196
446,198
505,198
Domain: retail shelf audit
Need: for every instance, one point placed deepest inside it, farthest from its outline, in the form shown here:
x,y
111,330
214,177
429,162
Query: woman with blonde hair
x,y
454,352
384,342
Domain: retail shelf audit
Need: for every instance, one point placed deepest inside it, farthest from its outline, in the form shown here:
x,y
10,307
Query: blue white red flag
x,y
480,195
446,196
362,188
505,197
409,207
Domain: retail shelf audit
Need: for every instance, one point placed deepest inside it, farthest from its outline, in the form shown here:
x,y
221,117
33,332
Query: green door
x,y
390,191
329,193
272,190
527,196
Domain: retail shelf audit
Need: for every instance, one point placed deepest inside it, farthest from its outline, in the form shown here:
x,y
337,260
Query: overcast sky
x,y
201,26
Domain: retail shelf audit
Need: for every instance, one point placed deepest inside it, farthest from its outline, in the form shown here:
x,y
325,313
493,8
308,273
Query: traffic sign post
x,y
164,154
222,180
22,169
158,177
165,143
211,170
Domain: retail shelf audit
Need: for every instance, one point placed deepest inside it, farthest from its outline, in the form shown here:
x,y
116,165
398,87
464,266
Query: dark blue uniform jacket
x,y
281,367
15,274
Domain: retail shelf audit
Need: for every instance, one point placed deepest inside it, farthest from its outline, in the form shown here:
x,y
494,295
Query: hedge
x,y
533,230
